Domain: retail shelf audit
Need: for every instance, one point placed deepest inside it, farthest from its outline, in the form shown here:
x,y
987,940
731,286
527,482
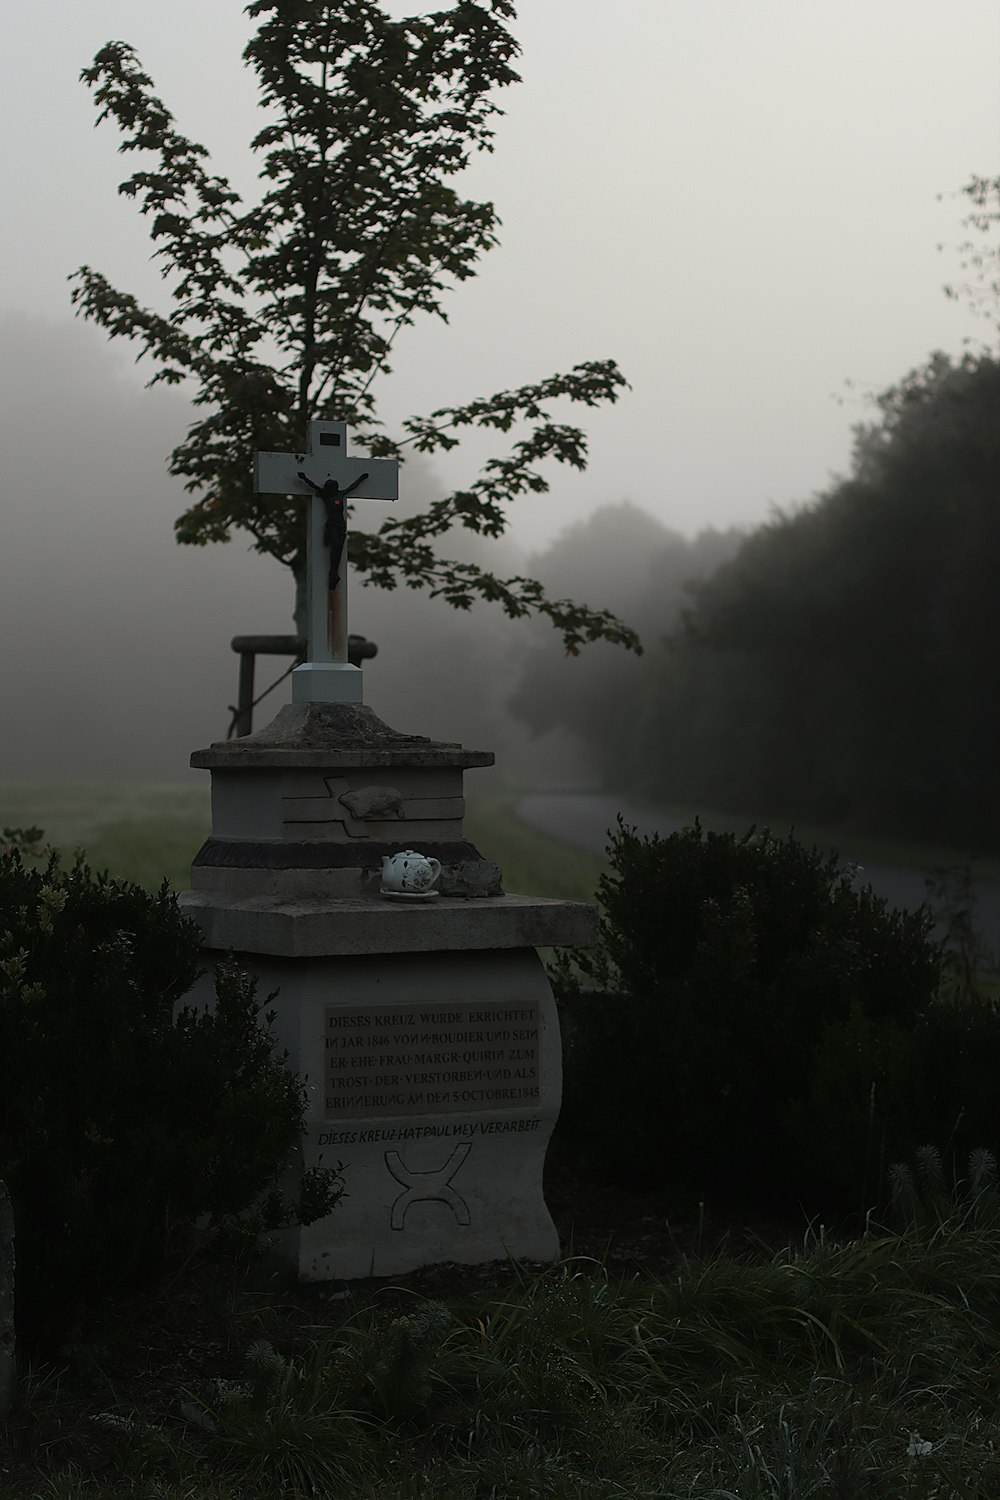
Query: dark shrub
x,y
879,1092
692,1031
119,1124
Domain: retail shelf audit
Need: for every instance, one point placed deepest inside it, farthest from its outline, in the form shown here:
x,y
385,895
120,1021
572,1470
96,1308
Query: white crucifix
x,y
330,478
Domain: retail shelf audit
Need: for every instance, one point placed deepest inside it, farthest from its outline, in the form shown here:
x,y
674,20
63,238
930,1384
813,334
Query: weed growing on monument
x,y
121,1124
693,1030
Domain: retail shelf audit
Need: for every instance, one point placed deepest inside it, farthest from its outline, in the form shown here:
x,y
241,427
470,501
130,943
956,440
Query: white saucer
x,y
409,895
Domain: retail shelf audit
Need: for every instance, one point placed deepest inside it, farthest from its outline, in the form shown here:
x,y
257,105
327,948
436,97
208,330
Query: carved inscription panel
x,y
427,1059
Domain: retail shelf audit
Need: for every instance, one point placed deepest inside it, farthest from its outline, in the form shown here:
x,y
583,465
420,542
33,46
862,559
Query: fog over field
x,y
745,206
117,661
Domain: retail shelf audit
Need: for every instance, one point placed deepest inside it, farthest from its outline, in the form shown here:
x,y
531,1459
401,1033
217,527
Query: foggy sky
x,y
738,202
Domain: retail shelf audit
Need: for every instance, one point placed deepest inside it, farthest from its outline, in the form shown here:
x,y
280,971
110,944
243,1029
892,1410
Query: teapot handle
x,y
435,865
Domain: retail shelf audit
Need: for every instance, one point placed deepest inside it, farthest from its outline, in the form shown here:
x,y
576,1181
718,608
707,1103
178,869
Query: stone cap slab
x,y
330,735
316,929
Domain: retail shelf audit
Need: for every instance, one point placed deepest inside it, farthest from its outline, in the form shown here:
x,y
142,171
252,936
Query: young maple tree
x,y
287,310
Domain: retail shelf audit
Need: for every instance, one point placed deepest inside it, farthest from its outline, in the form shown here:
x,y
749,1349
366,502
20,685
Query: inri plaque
x,y
419,1060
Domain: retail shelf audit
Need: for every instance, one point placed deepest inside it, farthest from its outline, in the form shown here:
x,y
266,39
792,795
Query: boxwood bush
x,y
693,1030
123,1119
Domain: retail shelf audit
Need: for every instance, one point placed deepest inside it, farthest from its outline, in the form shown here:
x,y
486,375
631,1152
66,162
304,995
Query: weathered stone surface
x,y
434,1081
6,1299
325,868
298,928
296,803
472,878
287,802
334,735
317,854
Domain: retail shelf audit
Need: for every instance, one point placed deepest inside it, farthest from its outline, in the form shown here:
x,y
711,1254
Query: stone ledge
x,y
311,929
333,735
220,758
322,854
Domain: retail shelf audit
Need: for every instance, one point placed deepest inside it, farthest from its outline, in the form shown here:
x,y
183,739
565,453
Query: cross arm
x,y
303,473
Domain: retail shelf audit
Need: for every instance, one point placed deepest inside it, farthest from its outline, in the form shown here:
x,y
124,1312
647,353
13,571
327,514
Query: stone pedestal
x,y
424,1029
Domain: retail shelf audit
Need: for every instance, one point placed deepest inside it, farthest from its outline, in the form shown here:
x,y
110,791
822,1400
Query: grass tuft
x,y
859,1368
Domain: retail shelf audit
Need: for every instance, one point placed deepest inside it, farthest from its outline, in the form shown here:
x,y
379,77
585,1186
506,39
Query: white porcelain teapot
x,y
409,873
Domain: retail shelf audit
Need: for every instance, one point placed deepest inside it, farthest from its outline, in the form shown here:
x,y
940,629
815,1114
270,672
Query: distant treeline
x,y
838,664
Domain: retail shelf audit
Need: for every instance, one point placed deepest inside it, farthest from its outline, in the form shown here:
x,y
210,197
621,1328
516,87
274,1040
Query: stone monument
x,y
421,1022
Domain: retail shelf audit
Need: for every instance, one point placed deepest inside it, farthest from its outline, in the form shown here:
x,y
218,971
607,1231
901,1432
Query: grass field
x,y
145,832
857,1371
139,831
865,1368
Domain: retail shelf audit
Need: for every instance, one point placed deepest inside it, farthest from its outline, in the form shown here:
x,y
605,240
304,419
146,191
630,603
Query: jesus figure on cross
x,y
335,531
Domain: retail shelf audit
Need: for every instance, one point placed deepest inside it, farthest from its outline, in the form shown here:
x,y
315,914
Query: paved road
x,y
582,820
